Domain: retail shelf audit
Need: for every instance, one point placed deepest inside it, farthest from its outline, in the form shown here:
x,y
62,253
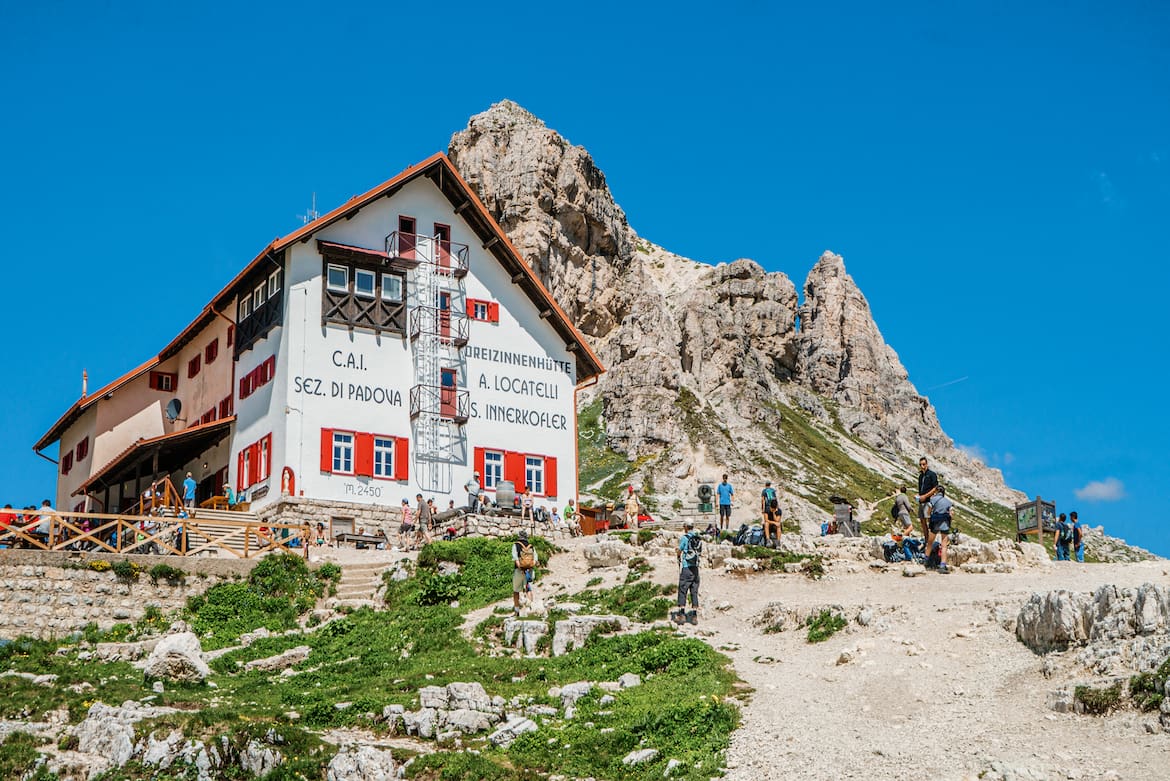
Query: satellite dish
x,y
174,407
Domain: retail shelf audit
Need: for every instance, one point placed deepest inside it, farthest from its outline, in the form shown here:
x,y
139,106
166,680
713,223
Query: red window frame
x,y
225,407
157,378
194,365
254,463
231,335
515,469
363,454
83,448
67,463
491,310
211,351
258,377
207,417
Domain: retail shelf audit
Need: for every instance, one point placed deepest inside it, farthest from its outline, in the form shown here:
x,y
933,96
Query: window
x,y
379,456
226,407
363,283
487,311
391,287
211,351
342,453
164,381
534,474
258,377
258,297
493,468
254,463
207,417
537,472
245,308
231,337
273,283
194,365
83,448
383,457
67,463
338,278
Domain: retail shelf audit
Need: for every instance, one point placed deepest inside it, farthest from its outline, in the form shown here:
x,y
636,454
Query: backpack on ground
x,y
526,558
892,551
741,535
755,535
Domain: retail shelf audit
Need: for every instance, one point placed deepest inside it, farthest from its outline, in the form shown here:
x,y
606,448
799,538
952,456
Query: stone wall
x,y
380,518
49,594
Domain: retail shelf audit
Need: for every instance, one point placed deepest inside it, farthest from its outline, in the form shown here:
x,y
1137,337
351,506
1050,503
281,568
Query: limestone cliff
x,y
710,367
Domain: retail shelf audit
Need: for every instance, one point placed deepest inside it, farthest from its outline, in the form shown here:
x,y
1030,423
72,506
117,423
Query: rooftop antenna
x,y
311,214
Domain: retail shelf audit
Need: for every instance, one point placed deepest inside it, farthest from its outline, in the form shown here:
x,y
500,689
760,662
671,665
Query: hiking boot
x,y
942,569
678,617
693,617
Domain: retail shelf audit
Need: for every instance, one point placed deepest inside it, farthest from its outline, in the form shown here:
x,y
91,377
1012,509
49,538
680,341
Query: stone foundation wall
x,y
380,518
49,594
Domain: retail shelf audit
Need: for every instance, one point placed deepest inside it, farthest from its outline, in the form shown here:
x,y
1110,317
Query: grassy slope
x,y
375,658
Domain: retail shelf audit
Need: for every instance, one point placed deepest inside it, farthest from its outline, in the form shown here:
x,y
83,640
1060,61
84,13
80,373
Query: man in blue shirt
x,y
189,491
1078,537
725,493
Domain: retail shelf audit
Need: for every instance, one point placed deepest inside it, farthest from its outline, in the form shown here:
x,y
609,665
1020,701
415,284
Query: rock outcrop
x,y
702,360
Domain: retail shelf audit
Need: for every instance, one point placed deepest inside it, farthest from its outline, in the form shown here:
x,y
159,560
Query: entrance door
x,y
447,403
443,247
445,315
406,237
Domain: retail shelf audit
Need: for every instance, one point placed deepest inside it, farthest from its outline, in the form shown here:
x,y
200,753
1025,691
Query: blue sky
x,y
996,175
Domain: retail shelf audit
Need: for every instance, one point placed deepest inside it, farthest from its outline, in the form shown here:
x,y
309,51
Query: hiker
x,y
422,522
189,492
690,546
526,506
1062,538
631,517
524,563
1078,537
725,493
770,507
902,512
927,485
941,517
473,489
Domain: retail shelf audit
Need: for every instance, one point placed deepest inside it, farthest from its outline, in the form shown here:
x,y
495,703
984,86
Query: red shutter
x,y
254,463
514,469
240,472
478,463
471,308
327,450
493,312
550,476
244,387
401,458
268,464
363,455
270,368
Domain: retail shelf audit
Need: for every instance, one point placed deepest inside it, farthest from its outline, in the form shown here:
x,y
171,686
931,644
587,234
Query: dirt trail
x,y
936,688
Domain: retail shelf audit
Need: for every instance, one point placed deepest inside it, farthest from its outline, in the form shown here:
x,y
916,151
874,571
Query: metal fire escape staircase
x,y
438,330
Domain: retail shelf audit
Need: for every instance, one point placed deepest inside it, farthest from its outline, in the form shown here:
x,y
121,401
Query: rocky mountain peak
x,y
707,364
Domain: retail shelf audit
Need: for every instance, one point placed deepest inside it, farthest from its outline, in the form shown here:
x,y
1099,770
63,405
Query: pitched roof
x,y
439,169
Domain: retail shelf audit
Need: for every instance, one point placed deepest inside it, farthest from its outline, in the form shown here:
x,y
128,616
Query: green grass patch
x,y
824,625
811,564
18,757
172,575
642,600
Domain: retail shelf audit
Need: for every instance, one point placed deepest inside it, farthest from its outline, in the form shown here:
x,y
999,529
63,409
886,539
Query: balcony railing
x,y
445,403
451,257
450,326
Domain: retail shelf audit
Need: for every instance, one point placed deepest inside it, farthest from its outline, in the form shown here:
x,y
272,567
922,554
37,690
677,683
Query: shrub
x,y
1147,690
824,625
172,575
126,570
1098,702
101,565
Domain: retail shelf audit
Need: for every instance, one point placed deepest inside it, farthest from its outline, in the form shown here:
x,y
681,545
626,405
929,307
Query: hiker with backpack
x,y
524,563
690,549
942,512
1062,538
770,507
